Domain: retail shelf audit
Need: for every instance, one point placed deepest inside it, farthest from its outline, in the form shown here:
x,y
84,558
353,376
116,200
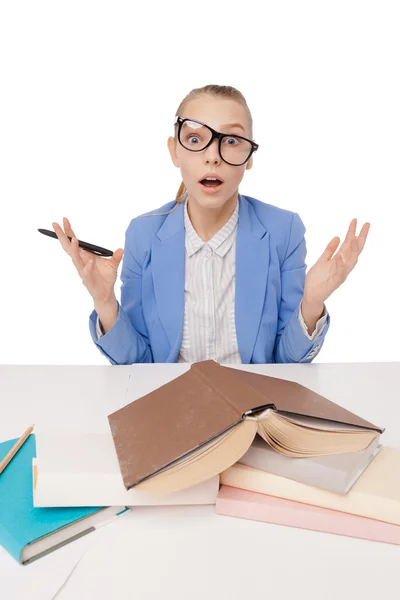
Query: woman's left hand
x,y
329,272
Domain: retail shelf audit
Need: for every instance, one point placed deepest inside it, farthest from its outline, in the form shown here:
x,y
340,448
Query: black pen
x,y
98,250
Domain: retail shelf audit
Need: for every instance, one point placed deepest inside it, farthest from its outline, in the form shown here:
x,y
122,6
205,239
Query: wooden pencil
x,y
15,448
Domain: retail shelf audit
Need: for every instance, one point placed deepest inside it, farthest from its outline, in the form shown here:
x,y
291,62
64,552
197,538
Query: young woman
x,y
213,274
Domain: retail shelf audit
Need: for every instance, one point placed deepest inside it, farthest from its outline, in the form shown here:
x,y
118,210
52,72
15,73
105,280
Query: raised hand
x,y
329,272
98,274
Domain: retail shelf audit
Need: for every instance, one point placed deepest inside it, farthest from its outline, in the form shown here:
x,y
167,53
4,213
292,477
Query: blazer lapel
x,y
168,265
252,266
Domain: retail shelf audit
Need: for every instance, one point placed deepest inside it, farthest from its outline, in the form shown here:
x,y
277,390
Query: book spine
x,y
231,392
197,371
247,478
318,519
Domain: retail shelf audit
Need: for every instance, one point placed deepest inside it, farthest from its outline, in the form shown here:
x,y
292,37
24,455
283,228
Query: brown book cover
x,y
199,408
292,397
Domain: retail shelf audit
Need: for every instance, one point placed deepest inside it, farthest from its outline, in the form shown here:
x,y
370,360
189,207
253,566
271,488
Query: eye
x,y
191,137
231,141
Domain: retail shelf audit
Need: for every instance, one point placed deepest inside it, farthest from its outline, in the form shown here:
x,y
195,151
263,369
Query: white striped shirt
x,y
209,330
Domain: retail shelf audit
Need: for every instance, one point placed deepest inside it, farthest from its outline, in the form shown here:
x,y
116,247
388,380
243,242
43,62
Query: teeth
x,y
211,179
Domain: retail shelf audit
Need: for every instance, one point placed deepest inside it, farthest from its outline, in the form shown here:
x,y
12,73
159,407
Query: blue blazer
x,y
269,283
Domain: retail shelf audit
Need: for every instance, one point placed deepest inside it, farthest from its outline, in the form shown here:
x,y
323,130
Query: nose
x,y
211,153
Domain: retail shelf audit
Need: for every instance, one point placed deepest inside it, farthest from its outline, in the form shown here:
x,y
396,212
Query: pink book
x,y
235,502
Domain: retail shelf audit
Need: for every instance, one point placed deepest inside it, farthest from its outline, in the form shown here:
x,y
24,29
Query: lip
x,y
214,175
210,190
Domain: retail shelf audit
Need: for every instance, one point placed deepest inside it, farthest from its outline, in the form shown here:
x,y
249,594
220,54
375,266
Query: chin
x,y
211,201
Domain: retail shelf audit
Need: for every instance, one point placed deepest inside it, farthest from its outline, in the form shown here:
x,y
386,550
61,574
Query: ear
x,y
249,164
172,151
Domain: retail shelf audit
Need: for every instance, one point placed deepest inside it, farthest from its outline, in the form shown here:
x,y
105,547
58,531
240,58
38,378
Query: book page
x,y
216,458
321,424
296,438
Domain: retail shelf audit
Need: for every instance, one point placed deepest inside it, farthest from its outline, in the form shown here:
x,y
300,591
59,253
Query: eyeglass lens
x,y
195,136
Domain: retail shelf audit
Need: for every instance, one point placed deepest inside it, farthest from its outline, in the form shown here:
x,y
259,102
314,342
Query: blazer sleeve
x,y
127,341
291,343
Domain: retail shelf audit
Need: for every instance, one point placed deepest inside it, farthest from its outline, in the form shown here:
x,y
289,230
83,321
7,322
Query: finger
x,y
340,264
87,271
85,255
356,246
117,256
64,241
330,250
76,257
88,275
351,230
350,235
341,268
352,256
68,228
362,238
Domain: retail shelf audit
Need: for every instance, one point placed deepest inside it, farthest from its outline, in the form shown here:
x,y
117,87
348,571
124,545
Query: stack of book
x,y
286,454
365,503
203,422
281,452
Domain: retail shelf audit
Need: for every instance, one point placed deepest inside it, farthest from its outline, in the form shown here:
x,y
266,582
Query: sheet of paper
x,y
41,579
177,553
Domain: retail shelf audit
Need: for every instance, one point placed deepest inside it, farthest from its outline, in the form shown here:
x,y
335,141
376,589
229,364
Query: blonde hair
x,y
220,91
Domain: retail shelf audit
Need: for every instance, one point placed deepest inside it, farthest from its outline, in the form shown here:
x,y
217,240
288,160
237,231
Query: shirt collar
x,y
221,242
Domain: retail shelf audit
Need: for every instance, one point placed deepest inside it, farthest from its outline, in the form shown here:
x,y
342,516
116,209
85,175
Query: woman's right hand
x,y
98,274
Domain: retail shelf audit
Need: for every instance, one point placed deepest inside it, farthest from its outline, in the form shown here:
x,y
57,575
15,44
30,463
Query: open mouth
x,y
211,182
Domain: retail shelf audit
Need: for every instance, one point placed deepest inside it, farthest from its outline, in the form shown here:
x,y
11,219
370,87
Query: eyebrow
x,y
230,125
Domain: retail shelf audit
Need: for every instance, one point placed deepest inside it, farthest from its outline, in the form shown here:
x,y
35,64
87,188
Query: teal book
x,y
26,532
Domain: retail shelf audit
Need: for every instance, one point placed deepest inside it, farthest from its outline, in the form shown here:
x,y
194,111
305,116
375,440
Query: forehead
x,y
219,113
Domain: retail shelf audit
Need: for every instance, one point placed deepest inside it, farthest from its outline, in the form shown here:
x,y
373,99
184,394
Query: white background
x,y
88,95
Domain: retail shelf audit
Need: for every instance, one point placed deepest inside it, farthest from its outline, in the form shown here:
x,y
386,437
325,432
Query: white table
x,y
190,552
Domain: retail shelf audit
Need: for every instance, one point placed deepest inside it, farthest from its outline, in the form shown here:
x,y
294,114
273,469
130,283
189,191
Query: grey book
x,y
333,472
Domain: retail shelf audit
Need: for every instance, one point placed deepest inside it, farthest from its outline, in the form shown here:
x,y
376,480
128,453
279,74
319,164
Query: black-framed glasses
x,y
197,136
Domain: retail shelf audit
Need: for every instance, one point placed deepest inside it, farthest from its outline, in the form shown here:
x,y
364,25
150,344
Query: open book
x,y
202,422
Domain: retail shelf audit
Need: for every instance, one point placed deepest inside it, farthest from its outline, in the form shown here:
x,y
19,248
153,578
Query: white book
x,y
334,472
82,469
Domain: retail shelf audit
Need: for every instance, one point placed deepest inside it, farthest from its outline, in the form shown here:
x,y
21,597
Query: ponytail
x,y
180,196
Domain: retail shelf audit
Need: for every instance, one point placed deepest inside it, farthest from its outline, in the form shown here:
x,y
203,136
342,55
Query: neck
x,y
207,221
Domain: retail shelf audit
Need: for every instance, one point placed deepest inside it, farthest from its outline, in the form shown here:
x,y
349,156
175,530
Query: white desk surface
x,y
190,552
